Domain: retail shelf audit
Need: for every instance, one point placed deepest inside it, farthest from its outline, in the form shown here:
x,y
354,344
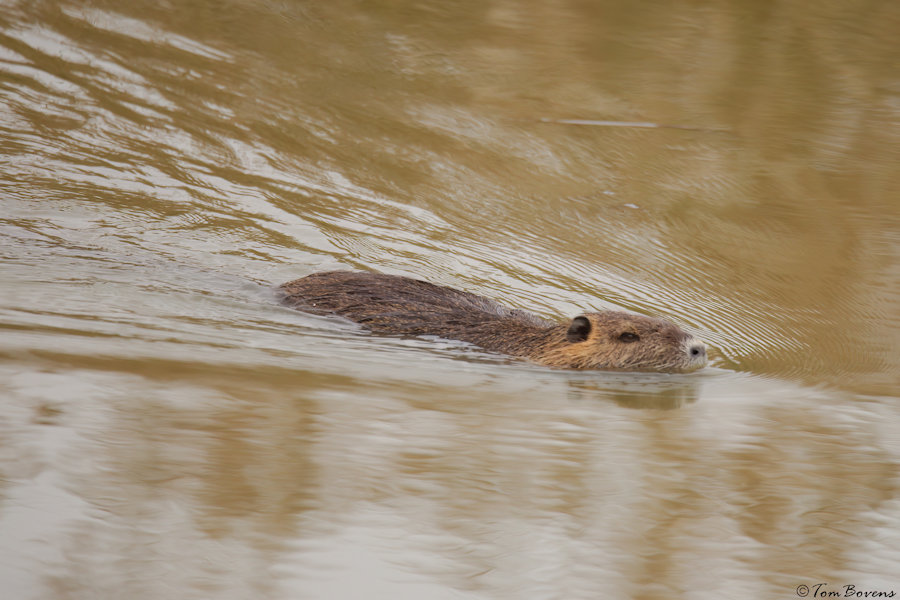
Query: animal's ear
x,y
579,329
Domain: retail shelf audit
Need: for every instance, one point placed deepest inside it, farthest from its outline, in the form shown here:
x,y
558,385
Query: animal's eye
x,y
629,337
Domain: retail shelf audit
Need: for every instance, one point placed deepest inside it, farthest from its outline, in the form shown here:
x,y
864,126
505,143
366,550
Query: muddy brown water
x,y
169,431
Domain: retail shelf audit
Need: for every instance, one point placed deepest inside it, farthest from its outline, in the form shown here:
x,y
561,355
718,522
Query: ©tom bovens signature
x,y
822,590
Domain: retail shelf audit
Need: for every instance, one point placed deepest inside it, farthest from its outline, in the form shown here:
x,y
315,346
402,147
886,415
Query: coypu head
x,y
625,342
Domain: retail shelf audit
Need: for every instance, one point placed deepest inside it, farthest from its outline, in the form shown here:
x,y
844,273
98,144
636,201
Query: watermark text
x,y
823,590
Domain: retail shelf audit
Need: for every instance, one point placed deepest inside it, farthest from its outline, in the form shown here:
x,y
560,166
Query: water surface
x,y
170,431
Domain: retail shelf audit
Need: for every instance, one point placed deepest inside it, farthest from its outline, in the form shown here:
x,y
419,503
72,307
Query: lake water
x,y
169,430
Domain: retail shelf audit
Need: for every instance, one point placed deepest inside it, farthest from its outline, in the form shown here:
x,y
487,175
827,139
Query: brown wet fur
x,y
390,304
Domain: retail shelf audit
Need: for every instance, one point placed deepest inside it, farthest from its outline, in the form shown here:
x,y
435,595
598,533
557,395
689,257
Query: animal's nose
x,y
698,350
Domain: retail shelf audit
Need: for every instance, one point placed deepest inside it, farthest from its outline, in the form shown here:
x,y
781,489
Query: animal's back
x,y
401,305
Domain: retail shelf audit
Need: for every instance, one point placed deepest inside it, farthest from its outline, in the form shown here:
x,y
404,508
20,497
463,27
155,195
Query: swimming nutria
x,y
400,305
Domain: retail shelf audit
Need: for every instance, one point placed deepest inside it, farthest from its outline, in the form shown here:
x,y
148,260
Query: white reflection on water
x,y
465,481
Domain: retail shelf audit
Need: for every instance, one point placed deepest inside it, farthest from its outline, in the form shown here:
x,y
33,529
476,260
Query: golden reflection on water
x,y
170,431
